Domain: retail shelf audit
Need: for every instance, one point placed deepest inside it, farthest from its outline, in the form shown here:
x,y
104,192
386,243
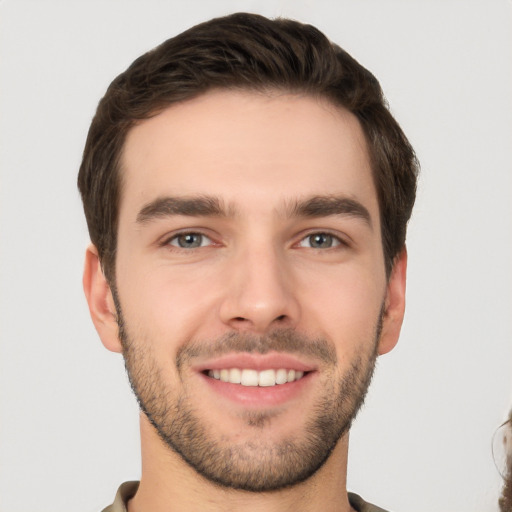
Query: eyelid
x,y
166,240
204,239
340,240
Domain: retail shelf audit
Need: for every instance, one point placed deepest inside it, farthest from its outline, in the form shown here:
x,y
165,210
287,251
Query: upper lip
x,y
259,362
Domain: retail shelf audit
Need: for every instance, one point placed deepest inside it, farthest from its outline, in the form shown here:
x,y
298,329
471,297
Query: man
x,y
247,194
505,500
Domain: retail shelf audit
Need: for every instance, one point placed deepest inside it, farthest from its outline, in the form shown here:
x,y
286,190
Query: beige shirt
x,y
128,490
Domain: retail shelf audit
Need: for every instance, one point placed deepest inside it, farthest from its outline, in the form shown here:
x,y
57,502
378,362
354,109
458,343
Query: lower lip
x,y
260,396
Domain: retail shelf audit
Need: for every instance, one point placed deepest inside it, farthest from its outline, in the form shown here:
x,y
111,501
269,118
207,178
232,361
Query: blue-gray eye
x,y
320,241
190,240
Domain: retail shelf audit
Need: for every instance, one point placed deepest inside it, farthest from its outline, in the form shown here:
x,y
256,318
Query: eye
x,y
189,240
320,241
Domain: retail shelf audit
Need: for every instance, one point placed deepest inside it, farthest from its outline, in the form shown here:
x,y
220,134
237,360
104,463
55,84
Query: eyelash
x,y
177,236
336,240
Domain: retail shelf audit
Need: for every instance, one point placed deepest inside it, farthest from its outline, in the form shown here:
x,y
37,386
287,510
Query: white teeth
x,y
281,376
267,378
249,377
235,376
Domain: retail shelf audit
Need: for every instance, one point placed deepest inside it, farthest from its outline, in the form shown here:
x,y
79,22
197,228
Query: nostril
x,y
281,318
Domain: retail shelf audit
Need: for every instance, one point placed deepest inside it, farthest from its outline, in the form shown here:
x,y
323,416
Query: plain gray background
x,y
68,422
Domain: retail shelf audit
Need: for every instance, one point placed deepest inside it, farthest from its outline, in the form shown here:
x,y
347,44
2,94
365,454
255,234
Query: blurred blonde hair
x,y
505,500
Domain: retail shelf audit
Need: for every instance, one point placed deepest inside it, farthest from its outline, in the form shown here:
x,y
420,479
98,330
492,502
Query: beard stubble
x,y
257,465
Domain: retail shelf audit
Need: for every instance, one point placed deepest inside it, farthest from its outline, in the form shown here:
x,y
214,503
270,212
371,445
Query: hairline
x,y
271,91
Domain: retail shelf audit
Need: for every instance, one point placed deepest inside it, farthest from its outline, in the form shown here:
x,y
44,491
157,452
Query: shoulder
x,y
362,506
124,493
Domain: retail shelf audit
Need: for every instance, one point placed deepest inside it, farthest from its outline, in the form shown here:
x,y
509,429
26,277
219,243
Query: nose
x,y
259,294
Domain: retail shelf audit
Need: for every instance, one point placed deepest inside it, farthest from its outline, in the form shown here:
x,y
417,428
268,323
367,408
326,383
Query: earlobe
x,y
100,301
394,307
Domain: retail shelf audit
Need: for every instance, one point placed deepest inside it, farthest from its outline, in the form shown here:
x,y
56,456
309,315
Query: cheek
x,y
345,298
167,304
345,307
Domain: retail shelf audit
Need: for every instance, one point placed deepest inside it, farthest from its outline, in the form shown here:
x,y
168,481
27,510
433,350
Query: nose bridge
x,y
259,292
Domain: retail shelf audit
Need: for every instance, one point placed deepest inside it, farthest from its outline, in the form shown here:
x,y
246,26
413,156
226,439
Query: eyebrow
x,y
201,206
209,206
324,206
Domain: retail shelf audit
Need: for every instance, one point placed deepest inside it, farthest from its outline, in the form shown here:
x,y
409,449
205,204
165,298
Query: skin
x,y
255,272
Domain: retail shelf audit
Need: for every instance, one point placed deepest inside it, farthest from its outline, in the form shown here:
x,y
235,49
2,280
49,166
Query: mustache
x,y
282,340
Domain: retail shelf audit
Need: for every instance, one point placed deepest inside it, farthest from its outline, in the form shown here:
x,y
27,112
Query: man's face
x,y
251,289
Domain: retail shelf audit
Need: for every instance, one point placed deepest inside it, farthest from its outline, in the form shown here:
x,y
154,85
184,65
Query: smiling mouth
x,y
255,378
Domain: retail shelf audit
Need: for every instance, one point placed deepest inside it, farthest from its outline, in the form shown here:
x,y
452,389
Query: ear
x,y
100,300
394,305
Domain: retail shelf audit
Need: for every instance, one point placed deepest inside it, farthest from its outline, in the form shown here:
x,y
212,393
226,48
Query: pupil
x,y
321,240
189,240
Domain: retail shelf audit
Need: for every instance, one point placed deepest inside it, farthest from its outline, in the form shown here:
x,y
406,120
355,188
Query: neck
x,y
168,483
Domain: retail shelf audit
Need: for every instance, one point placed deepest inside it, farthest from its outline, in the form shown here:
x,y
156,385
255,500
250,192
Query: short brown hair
x,y
250,52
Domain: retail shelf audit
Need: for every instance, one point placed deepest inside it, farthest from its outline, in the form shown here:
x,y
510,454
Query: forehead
x,y
232,144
